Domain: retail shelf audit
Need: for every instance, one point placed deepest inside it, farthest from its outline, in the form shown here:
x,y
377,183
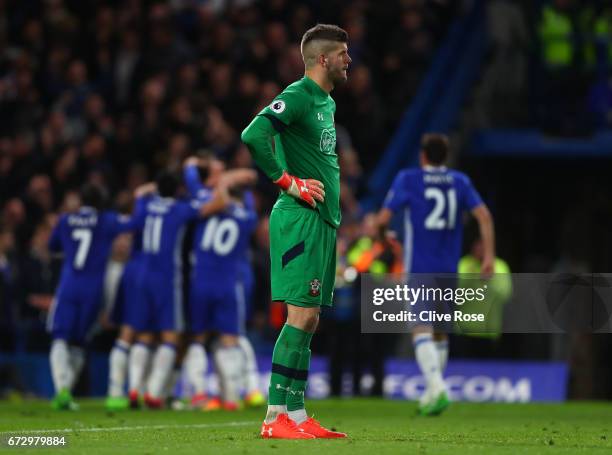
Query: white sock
x,y
229,362
298,416
138,362
442,348
118,362
250,370
273,411
196,364
427,358
77,360
61,369
173,378
163,362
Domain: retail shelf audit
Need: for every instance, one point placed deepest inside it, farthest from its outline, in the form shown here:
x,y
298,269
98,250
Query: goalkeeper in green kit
x,y
293,141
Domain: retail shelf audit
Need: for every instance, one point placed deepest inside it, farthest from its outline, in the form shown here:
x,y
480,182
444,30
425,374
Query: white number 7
x,y
83,236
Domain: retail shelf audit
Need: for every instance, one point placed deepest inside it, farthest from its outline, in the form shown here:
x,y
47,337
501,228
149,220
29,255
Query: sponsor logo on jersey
x,y
328,141
278,106
315,287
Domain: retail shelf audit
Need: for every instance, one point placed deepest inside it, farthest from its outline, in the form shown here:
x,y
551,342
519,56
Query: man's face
x,y
338,62
216,167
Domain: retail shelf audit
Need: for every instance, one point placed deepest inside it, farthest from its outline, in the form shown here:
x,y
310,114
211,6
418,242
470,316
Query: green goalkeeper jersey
x,y
305,143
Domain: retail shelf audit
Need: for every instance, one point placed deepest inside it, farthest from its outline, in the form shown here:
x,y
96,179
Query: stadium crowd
x,y
549,65
111,92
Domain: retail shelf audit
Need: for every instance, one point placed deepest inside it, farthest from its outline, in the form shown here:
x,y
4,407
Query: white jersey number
x,y
83,236
436,220
221,237
151,235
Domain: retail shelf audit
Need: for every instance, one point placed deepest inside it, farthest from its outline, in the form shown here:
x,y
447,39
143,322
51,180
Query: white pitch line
x,y
130,428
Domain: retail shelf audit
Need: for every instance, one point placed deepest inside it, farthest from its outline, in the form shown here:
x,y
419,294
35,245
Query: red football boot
x,y
231,406
314,428
198,400
283,428
152,402
134,399
213,404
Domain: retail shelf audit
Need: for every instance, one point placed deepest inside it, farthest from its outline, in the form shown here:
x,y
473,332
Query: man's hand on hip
x,y
307,190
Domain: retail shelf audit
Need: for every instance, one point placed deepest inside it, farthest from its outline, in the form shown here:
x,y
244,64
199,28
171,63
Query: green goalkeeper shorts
x,y
303,257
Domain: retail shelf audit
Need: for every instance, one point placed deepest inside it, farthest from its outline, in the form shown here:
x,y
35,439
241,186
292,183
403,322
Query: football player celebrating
x,y
434,199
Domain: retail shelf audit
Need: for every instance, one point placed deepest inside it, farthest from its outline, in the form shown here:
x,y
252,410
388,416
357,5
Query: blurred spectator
x,y
408,50
127,60
261,268
502,95
38,277
363,113
38,202
557,34
562,82
9,376
483,343
600,102
8,288
360,251
165,50
244,100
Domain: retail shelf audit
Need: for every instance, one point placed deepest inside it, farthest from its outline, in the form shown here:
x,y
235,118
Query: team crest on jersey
x,y
328,141
278,106
315,288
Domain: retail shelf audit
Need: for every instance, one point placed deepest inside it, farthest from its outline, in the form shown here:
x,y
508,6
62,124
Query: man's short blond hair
x,y
320,39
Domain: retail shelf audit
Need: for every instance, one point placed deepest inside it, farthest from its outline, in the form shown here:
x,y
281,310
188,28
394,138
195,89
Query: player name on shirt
x,y
159,206
78,220
437,178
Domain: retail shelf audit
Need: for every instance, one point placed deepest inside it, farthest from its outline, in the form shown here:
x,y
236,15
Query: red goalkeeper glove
x,y
307,190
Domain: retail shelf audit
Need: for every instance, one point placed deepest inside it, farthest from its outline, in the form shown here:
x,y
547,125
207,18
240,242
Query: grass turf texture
x,y
374,426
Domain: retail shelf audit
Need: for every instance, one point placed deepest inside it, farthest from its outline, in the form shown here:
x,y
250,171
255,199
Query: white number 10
x,y
221,236
435,220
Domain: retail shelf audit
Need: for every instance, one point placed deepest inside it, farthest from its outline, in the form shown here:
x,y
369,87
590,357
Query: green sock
x,y
295,398
285,359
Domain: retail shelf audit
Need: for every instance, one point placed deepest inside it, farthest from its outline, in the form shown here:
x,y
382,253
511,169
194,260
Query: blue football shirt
x,y
220,241
434,200
86,237
165,221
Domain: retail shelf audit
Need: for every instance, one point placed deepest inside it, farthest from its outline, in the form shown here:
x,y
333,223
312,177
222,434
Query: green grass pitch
x,y
374,426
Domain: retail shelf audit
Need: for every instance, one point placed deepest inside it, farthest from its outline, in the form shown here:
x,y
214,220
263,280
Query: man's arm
x,y
192,176
382,221
396,198
220,198
125,223
217,203
238,177
55,243
145,189
258,138
487,234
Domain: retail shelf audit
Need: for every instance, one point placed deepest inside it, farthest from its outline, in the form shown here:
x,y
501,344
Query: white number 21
x,y
435,220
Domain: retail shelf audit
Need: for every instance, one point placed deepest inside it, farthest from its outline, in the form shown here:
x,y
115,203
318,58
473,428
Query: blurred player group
x,y
160,334
155,344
